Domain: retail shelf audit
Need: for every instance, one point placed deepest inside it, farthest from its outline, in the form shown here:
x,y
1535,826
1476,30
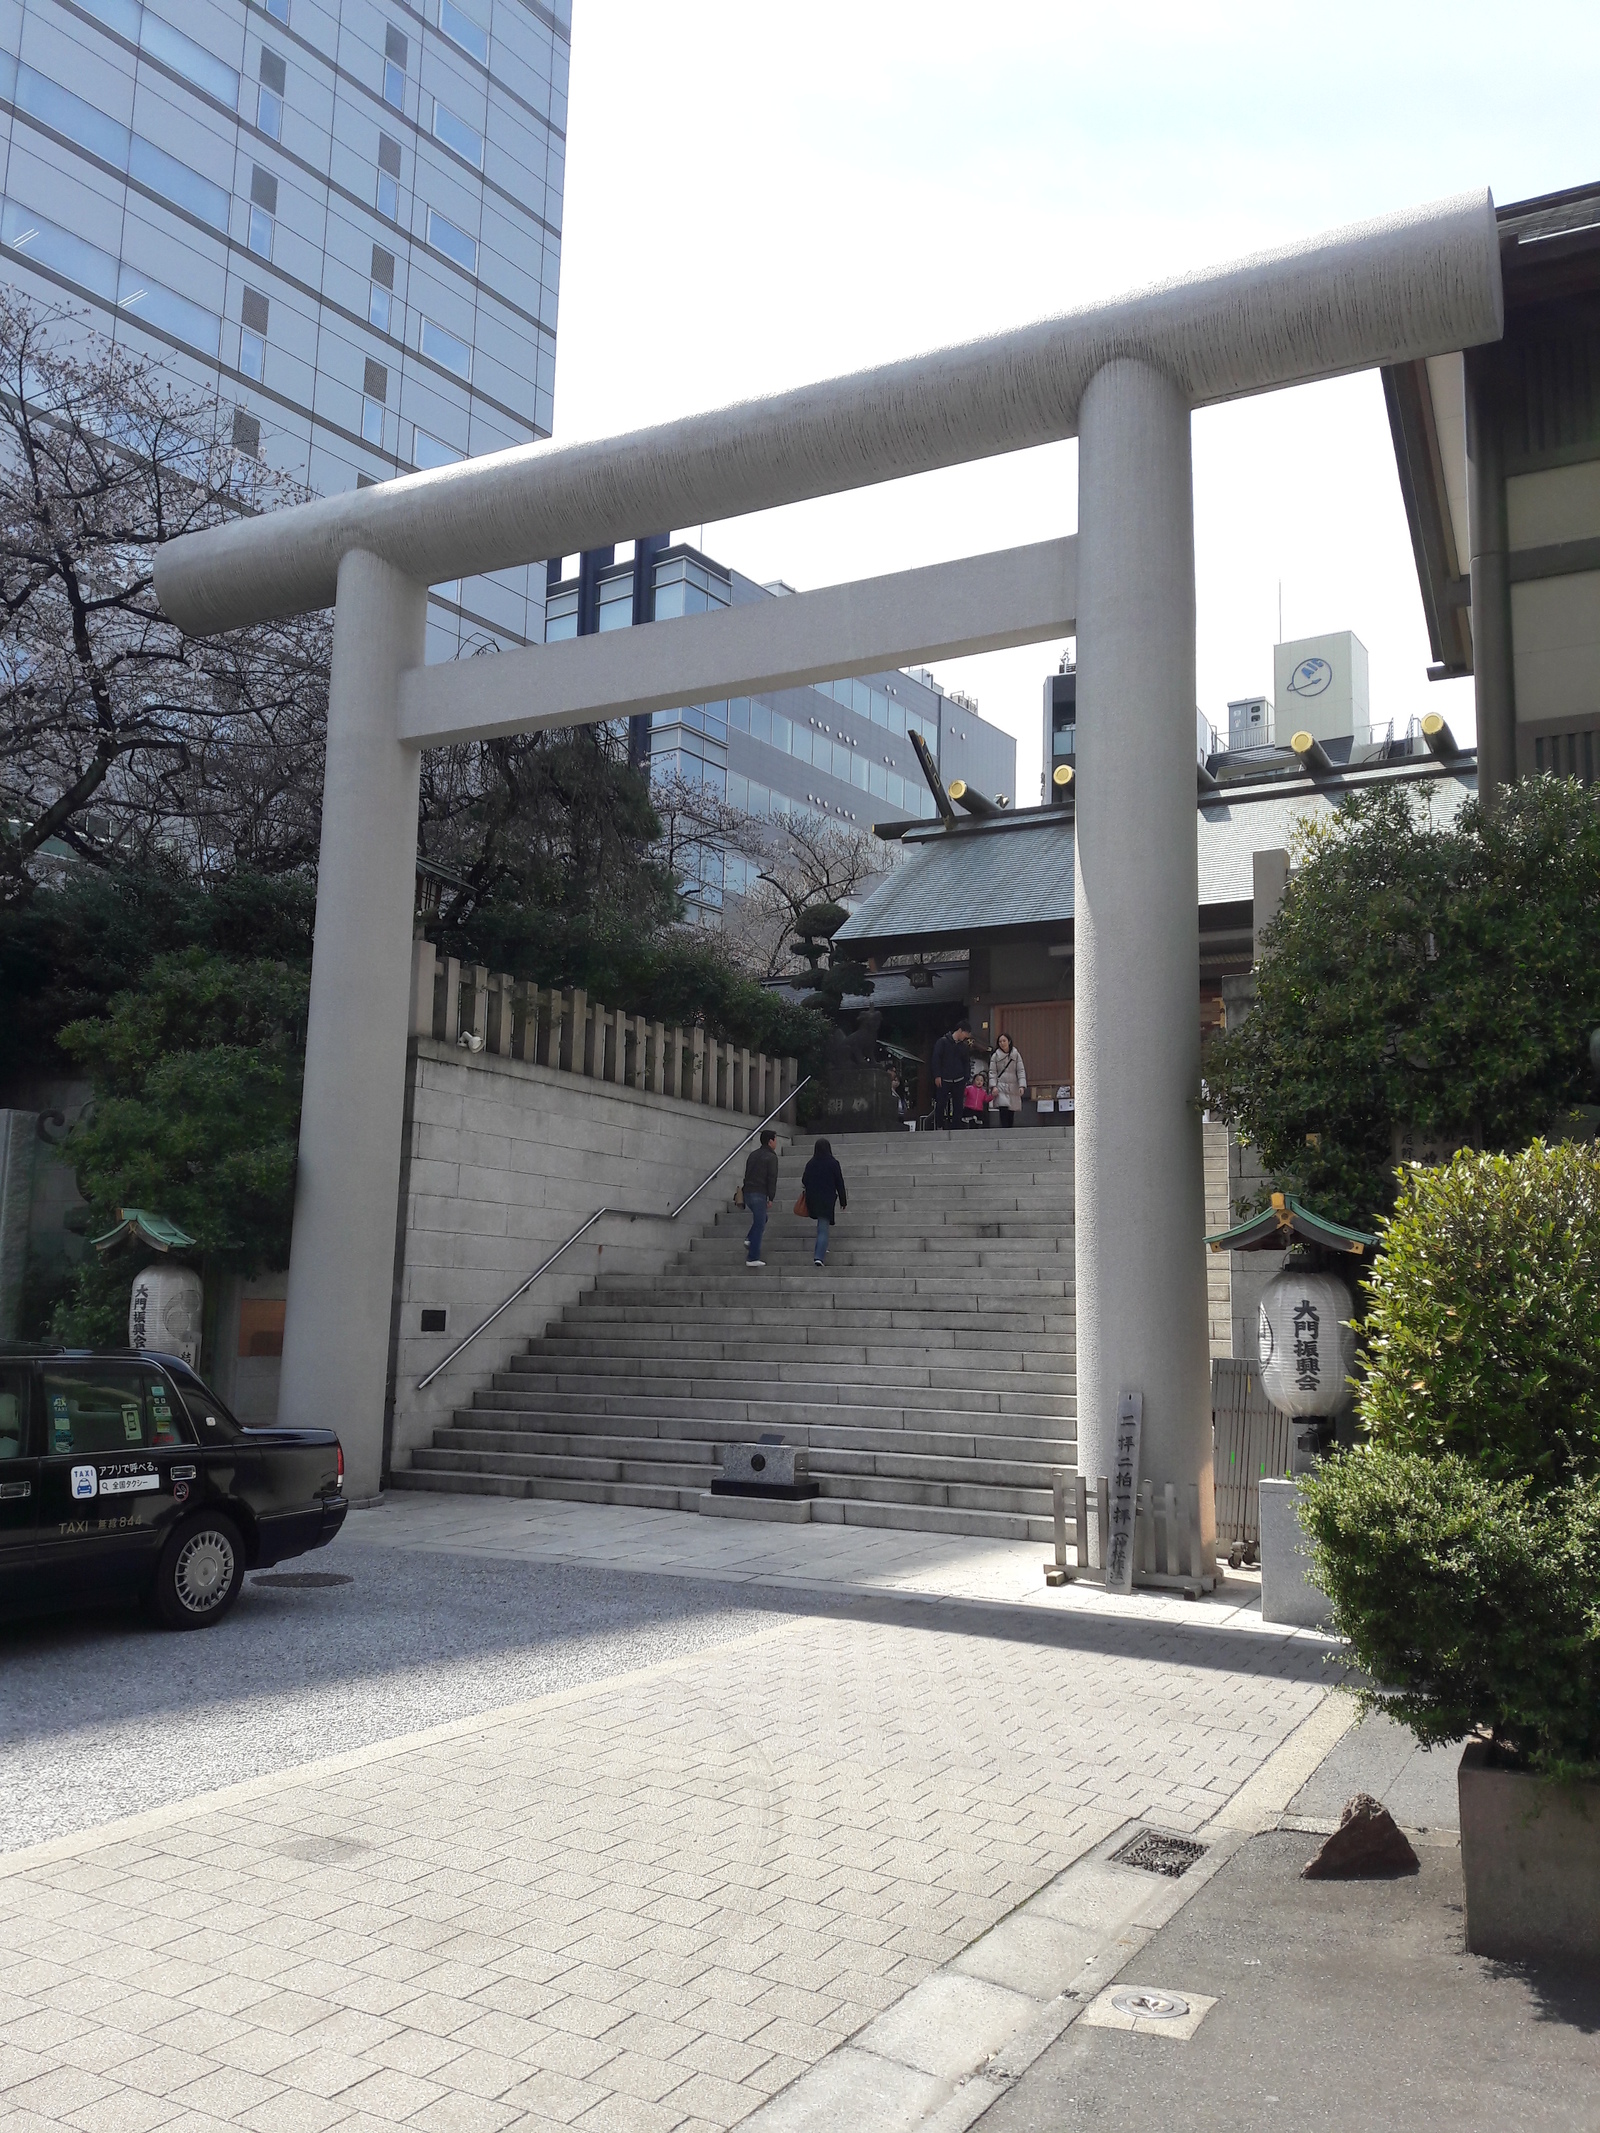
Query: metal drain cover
x,y
301,1580
1153,1852
1151,2006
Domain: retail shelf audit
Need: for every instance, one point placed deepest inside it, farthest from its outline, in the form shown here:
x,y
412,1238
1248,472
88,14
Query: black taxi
x,y
123,1475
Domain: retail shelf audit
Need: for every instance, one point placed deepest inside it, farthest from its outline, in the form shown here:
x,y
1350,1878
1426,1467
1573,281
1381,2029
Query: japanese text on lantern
x,y
1307,1349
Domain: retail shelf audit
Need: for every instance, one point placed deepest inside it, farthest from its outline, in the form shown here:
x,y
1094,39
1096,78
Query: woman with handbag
x,y
821,1193
1008,1078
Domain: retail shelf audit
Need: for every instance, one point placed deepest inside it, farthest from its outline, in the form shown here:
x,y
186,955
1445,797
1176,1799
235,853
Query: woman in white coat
x,y
1008,1079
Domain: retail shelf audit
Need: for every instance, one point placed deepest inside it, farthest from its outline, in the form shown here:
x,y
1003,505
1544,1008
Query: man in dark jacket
x,y
760,1190
952,1070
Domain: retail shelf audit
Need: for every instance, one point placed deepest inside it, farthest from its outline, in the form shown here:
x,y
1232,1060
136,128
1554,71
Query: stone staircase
x,y
928,1369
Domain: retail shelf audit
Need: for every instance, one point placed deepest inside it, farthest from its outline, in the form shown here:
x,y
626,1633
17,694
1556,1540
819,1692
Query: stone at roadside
x,y
1367,1844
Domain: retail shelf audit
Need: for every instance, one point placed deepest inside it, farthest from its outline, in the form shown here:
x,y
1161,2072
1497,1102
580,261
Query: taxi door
x,y
116,1473
19,1479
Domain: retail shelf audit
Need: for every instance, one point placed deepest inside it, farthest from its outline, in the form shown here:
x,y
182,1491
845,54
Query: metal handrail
x,y
634,1214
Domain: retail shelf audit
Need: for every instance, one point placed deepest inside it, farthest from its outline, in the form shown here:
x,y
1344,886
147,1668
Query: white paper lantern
x,y
1307,1347
164,1312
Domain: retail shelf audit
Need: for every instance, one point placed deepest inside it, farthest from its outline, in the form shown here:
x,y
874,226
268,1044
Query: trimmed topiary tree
x,y
1460,1545
1482,1326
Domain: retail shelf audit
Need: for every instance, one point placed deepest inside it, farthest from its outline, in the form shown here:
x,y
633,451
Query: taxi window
x,y
209,1419
104,1408
14,1388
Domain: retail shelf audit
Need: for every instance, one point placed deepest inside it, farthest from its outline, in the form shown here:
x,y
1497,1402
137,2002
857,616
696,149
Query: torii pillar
x,y
1140,1193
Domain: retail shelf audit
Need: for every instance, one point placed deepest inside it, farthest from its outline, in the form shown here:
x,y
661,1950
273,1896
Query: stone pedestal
x,y
1287,1593
1530,1859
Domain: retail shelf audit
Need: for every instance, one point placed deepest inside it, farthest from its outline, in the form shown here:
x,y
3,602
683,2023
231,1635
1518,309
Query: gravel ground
x,y
104,1715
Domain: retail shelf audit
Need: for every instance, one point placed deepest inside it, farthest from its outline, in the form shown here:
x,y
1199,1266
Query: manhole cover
x,y
1151,2006
1154,1853
302,1580
321,1851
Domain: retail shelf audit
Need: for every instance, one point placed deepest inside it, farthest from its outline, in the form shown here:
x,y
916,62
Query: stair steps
x,y
927,1369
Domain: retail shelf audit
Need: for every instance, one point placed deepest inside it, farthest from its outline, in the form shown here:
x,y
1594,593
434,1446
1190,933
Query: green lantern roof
x,y
138,1225
1286,1222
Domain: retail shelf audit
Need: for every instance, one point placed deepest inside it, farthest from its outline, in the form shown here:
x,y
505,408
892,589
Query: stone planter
x,y
1287,1593
1530,1858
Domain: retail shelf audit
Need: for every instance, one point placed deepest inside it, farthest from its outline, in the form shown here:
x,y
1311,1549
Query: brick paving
x,y
650,1903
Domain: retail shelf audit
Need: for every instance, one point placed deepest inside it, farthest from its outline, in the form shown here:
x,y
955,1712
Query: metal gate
x,y
1253,1443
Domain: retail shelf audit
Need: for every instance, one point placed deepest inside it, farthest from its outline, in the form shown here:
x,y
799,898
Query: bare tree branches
x,y
791,860
209,751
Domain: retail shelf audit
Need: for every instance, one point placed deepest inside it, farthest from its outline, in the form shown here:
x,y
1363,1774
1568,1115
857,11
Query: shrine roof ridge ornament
x,y
1425,281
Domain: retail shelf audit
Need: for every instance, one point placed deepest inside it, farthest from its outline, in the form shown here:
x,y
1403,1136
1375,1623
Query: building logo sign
x,y
1310,678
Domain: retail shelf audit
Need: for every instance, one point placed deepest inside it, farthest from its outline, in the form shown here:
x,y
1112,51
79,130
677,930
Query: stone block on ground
x,y
1368,1844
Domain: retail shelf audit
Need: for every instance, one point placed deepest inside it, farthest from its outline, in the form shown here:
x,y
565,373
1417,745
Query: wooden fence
x,y
484,1010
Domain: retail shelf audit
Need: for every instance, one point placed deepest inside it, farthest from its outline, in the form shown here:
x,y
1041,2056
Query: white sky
x,y
759,194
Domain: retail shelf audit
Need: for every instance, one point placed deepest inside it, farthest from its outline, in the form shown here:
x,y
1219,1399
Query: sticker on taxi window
x,y
158,1401
60,1423
85,1480
128,1484
132,1428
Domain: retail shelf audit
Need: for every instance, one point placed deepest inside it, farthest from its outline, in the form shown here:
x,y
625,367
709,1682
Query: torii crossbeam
x,y
1122,376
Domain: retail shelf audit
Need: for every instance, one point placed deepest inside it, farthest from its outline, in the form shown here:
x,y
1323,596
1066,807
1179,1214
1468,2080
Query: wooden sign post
x,y
1117,1547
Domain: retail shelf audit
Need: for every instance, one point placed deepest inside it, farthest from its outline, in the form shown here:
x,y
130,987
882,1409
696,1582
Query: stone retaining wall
x,y
504,1158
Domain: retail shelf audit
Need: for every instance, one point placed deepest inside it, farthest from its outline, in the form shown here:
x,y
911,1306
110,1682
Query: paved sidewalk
x,y
804,1557
652,1900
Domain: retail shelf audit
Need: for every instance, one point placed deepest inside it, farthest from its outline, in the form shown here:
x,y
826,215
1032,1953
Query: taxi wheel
x,y
200,1572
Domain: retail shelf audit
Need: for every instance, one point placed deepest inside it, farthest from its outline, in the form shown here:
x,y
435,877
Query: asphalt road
x,y
103,1715
1342,2007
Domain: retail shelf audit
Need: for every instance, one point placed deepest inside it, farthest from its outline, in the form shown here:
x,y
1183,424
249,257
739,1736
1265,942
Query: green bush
x,y
1482,1323
1433,975
196,1115
1474,1601
1460,1545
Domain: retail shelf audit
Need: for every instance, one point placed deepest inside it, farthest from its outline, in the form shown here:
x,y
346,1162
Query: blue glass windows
x,y
396,50
263,211
685,587
68,254
176,182
253,314
442,347
460,28
455,244
388,194
270,93
374,392
380,297
455,134
166,309
616,599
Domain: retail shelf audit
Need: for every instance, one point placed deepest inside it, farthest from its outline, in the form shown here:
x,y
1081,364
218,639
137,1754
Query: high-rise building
x,y
343,217
1060,723
1061,728
840,750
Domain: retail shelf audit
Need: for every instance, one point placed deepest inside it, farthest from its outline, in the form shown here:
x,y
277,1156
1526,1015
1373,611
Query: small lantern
x,y
1307,1345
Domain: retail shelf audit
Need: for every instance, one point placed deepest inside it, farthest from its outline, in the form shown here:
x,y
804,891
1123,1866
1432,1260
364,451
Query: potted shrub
x,y
1460,1543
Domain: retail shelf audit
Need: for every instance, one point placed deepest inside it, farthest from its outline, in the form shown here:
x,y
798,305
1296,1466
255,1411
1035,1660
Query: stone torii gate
x,y
1123,376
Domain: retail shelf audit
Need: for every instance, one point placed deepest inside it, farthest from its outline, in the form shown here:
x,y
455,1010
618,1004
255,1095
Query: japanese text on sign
x,y
1124,1493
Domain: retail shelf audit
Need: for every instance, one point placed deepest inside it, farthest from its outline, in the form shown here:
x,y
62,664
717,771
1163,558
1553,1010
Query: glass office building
x,y
342,217
840,750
